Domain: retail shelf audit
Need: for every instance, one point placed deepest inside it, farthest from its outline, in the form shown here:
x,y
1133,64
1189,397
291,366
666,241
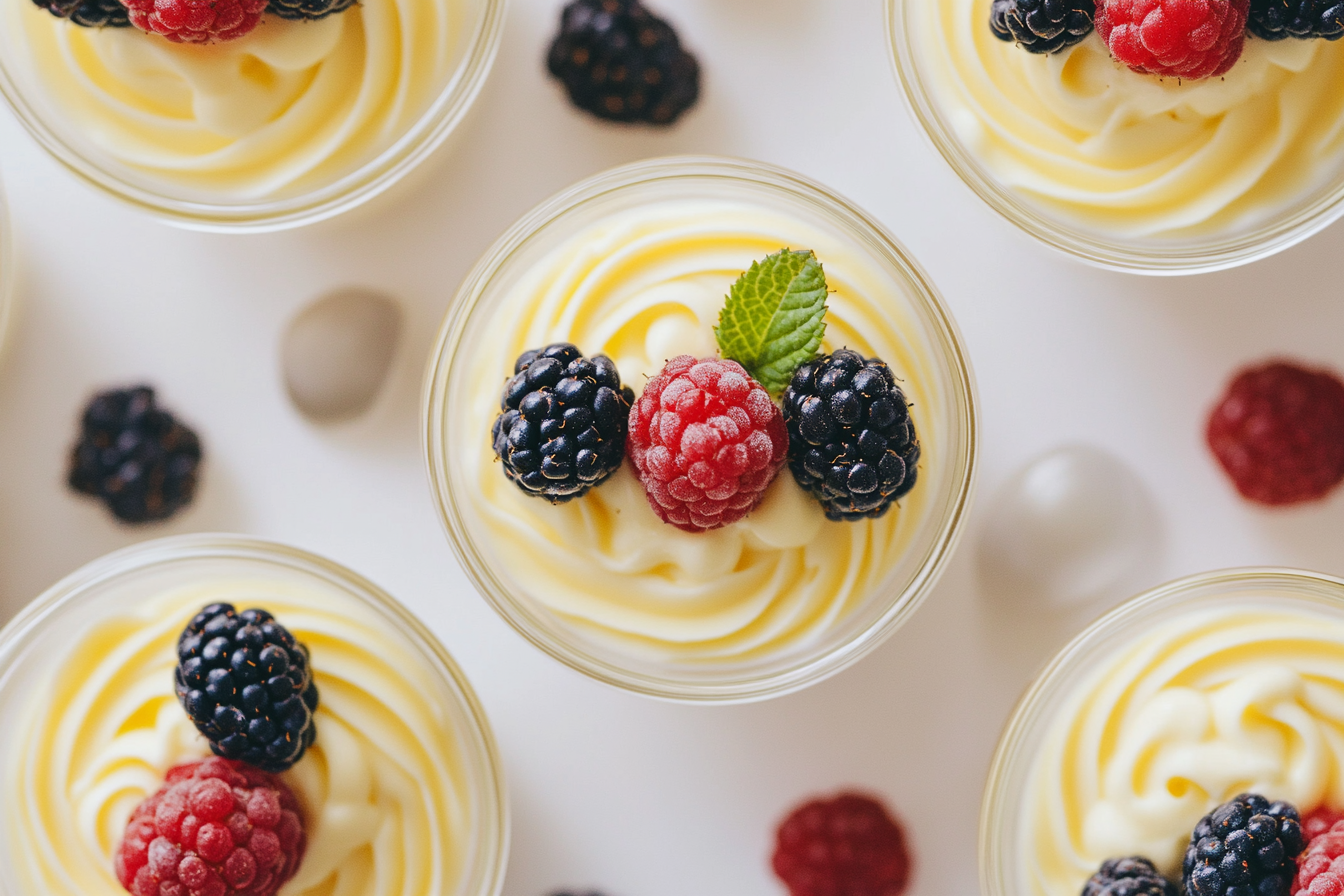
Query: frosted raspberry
x,y
196,21
706,440
845,846
216,828
1320,870
1183,38
1279,433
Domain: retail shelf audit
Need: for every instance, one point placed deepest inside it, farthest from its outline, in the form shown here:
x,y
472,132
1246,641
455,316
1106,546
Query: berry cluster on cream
x,y
189,21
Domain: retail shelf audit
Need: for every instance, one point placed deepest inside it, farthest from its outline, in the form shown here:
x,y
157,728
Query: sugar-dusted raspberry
x,y
1318,821
1189,39
216,828
196,21
1320,869
848,845
706,440
1279,433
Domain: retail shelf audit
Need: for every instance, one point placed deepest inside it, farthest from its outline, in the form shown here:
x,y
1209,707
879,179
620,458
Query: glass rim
x,y
8,277
372,178
478,738
1025,715
1270,238
516,613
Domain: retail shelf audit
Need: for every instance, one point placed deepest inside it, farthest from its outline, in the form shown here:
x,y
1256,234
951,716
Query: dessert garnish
x,y
1279,433
852,443
307,9
1131,876
1188,39
1245,847
563,426
1318,821
1320,869
621,62
848,844
135,456
246,684
215,828
1042,26
1304,19
88,13
196,21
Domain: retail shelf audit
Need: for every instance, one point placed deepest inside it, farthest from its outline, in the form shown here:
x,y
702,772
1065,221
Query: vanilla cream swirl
x,y
644,286
1132,154
291,106
1200,708
381,789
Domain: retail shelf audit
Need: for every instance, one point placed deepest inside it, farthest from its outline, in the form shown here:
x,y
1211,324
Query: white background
x,y
618,792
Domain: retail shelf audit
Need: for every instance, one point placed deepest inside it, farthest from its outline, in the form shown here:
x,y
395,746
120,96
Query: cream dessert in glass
x,y
401,793
1177,701
1127,170
635,264
293,122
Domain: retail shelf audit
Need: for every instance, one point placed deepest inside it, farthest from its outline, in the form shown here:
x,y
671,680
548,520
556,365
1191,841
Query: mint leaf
x,y
773,320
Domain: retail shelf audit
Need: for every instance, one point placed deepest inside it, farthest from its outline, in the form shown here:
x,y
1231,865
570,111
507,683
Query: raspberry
x,y
1042,26
1245,846
1318,822
196,21
1320,870
848,845
706,440
1279,433
215,828
1132,876
1184,38
1303,19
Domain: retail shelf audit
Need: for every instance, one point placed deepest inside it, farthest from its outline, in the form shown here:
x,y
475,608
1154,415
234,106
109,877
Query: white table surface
x,y
632,796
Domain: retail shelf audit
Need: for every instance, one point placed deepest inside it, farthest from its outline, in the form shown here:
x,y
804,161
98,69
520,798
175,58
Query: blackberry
x,y
1277,19
89,13
851,440
620,62
563,423
246,683
136,456
1042,26
1132,876
307,9
1245,847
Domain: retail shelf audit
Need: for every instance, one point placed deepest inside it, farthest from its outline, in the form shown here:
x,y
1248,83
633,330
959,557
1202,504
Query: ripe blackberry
x,y
1132,876
848,845
1245,847
136,456
307,9
247,685
564,422
852,443
89,13
620,62
1042,26
1278,19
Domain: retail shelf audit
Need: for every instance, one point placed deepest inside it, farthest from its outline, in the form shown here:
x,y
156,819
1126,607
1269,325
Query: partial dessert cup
x,y
1182,698
635,264
292,123
1125,170
7,271
401,793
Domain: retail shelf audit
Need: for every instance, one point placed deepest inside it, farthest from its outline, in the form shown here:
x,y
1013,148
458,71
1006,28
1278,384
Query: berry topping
x,y
1277,19
1042,26
620,62
1318,821
88,13
215,828
1188,39
1132,876
706,440
307,9
1320,870
848,845
135,456
247,685
852,443
1279,433
196,21
1245,847
564,422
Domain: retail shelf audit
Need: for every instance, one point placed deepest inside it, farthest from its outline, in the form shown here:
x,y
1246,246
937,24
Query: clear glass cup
x,y
7,271
921,61
1003,867
930,522
37,642
325,149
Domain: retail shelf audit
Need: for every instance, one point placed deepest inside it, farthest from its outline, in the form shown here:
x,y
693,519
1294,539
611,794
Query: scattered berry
x,y
1042,26
307,9
196,21
1277,19
1245,847
620,62
1188,39
247,685
135,456
848,845
215,828
564,421
88,13
1320,869
1132,876
852,443
1279,433
706,440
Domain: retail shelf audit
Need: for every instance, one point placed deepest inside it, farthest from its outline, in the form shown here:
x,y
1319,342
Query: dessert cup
x,y
1112,715
293,123
740,613
6,271
1128,171
90,724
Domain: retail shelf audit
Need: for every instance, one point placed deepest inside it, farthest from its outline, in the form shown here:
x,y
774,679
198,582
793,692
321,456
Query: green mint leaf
x,y
773,320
